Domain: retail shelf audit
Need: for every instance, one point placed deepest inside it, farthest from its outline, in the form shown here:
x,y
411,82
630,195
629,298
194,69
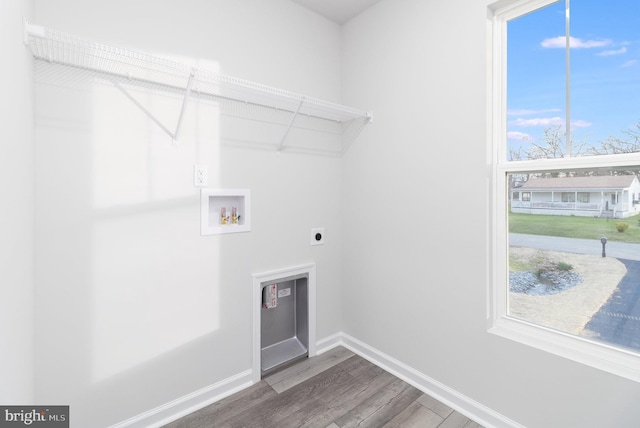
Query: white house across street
x,y
593,196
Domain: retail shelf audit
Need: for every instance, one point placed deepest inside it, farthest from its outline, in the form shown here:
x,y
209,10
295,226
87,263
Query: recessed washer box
x,y
217,209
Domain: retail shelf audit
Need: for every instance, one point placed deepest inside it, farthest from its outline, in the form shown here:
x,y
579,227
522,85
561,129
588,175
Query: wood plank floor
x,y
337,389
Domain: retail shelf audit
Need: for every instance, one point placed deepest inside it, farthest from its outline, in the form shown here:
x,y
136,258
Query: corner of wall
x,y
17,176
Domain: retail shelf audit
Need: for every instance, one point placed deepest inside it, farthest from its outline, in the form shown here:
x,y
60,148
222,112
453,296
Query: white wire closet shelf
x,y
126,68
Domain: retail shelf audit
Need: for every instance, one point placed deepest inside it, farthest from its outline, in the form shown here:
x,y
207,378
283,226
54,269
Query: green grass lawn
x,y
575,227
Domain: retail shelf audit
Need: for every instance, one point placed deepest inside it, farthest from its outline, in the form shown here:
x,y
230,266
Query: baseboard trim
x,y
452,398
328,343
189,403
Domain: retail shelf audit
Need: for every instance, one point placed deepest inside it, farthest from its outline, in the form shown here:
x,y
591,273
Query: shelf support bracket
x,y
143,108
293,118
184,105
347,140
173,135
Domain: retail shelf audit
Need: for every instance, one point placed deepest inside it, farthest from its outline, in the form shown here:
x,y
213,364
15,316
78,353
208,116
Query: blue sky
x,y
605,71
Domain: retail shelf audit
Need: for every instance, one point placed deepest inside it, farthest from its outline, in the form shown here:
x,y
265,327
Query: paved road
x,y
619,250
618,320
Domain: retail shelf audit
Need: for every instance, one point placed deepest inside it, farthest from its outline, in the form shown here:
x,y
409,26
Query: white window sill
x,y
598,355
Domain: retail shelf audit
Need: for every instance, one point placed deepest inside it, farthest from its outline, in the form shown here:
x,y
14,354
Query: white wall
x,y
134,307
415,267
17,190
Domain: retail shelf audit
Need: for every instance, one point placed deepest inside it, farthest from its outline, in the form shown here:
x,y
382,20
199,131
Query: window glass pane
x,y
605,76
536,76
561,276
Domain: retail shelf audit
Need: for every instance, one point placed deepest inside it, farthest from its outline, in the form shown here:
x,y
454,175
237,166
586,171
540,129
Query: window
x,y
516,196
568,197
565,126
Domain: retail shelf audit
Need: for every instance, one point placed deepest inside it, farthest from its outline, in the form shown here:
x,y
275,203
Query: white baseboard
x,y
328,343
460,403
189,403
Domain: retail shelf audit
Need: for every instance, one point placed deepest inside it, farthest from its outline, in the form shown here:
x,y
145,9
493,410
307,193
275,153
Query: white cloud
x,y
520,136
574,42
540,121
580,124
629,63
549,121
620,51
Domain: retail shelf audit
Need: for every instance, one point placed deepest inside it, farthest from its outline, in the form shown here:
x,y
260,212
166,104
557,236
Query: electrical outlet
x,y
317,236
200,175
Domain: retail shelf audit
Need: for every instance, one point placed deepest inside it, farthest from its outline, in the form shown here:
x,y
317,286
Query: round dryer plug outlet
x,y
317,236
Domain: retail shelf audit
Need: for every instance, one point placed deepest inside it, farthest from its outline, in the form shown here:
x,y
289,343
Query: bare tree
x,y
553,146
628,143
515,155
617,145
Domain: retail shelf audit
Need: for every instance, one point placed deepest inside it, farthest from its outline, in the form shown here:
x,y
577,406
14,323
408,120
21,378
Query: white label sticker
x,y
284,293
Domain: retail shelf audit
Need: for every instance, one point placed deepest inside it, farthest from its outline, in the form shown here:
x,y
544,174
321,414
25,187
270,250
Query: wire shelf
x,y
141,70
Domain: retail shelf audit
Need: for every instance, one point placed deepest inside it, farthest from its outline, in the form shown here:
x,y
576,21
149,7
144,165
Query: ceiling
x,y
339,11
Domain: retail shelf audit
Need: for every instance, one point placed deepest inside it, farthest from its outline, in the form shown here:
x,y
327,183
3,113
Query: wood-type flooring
x,y
337,389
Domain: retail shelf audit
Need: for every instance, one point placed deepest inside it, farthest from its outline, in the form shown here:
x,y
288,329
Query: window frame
x,y
583,197
609,358
568,197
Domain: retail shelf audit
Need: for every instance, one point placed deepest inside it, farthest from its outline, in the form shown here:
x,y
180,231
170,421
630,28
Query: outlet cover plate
x,y
317,236
200,176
